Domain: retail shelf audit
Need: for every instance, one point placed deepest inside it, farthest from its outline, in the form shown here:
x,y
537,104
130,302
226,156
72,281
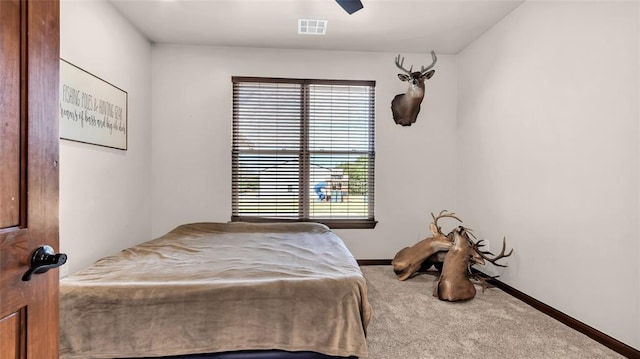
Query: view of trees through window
x,y
334,190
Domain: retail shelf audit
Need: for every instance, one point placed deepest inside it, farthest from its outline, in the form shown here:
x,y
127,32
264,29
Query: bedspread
x,y
213,287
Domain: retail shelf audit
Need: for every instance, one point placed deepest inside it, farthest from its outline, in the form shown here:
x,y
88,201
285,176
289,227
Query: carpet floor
x,y
408,322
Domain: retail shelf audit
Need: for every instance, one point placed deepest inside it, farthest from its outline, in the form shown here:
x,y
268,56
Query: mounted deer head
x,y
455,280
409,259
405,107
454,283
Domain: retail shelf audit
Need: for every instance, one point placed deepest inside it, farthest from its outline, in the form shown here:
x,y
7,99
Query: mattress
x,y
219,287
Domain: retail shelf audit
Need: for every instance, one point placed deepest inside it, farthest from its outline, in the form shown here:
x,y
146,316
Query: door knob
x,y
43,259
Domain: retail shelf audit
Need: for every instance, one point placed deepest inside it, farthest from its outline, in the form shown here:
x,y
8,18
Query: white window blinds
x,y
303,150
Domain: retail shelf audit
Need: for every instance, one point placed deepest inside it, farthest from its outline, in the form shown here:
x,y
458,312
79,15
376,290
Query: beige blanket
x,y
214,287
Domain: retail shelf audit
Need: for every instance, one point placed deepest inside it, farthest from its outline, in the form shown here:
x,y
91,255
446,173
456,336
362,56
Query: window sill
x,y
348,223
331,223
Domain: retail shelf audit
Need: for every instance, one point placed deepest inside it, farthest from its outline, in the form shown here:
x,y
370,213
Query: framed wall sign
x,y
91,110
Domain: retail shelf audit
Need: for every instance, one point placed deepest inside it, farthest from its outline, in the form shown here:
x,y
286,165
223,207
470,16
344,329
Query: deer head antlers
x,y
435,229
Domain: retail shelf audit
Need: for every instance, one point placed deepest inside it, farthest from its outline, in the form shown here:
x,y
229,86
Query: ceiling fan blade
x,y
350,6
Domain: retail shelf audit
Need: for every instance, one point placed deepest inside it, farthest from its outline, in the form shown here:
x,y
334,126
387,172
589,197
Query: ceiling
x,y
446,26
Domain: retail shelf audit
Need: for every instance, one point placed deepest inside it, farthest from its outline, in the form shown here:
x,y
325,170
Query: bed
x,y
220,290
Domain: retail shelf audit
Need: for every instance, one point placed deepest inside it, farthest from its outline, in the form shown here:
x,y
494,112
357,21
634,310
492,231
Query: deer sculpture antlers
x,y
453,255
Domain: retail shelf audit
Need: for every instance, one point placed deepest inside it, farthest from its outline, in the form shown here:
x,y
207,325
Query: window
x,y
303,150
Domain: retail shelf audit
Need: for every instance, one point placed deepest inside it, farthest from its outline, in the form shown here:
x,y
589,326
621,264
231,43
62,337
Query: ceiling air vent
x,y
312,27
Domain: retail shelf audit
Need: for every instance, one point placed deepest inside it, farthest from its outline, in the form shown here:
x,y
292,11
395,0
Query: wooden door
x,y
29,65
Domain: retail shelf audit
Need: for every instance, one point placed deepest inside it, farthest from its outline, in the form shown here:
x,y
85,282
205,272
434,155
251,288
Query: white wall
x,y
549,157
192,94
537,120
105,193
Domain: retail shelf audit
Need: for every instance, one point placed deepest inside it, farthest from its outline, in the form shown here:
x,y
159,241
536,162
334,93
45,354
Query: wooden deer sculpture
x,y
405,107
